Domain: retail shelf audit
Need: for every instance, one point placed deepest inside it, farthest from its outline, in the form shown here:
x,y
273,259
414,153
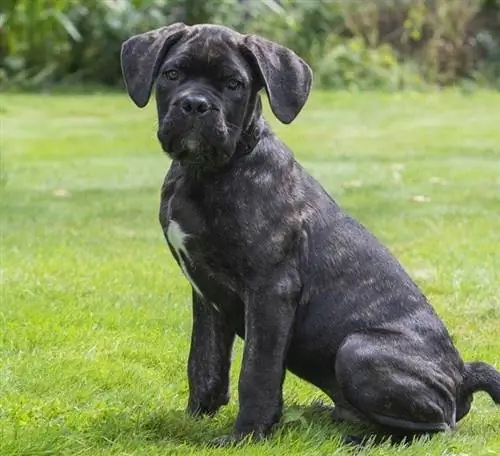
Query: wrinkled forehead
x,y
209,47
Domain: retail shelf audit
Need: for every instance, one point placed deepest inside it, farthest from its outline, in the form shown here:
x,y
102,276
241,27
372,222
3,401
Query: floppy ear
x,y
286,77
142,56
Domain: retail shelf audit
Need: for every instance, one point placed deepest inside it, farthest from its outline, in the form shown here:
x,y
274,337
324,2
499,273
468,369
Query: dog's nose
x,y
194,105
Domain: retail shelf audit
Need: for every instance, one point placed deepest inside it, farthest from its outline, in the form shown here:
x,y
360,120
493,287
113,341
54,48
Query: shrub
x,y
352,64
380,44
78,40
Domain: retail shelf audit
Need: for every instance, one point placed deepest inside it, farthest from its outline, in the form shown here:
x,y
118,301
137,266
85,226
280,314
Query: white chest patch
x,y
177,239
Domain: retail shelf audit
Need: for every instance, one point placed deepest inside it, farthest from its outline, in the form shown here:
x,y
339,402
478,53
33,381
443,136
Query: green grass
x,y
95,315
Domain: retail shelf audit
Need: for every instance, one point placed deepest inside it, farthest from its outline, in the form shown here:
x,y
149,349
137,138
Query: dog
x,y
273,259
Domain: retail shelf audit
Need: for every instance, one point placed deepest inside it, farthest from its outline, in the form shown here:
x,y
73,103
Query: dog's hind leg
x,y
385,378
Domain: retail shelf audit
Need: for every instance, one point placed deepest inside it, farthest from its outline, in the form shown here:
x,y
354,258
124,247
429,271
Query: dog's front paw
x,y
198,408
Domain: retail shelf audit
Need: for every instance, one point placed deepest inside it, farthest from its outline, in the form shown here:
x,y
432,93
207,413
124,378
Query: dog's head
x,y
207,83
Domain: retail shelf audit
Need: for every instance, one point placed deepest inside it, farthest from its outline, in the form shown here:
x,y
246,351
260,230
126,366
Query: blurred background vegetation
x,y
354,44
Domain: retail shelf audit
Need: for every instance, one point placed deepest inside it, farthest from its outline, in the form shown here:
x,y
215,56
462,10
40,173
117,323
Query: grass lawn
x,y
95,316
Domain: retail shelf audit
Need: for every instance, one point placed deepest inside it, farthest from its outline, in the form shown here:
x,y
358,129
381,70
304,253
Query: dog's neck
x,y
255,128
250,137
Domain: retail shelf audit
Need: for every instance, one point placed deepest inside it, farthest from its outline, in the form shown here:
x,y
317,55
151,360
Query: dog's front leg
x,y
269,317
209,359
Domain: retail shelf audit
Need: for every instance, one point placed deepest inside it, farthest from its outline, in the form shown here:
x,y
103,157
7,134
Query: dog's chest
x,y
216,234
190,238
177,239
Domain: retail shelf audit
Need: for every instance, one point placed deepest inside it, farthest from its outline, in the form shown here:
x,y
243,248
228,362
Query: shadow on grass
x,y
159,427
175,428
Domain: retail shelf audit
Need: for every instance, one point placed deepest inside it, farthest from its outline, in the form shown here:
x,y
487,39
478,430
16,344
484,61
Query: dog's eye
x,y
233,84
172,75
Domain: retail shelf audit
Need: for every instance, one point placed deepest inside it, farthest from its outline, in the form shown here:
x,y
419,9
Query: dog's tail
x,y
480,376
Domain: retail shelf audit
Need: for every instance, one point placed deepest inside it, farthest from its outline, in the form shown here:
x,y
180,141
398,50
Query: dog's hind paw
x,y
348,415
354,440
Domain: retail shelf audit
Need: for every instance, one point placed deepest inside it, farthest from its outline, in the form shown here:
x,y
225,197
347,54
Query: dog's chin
x,y
198,153
207,148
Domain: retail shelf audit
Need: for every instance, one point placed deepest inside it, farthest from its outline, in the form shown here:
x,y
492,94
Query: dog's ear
x,y
285,76
142,56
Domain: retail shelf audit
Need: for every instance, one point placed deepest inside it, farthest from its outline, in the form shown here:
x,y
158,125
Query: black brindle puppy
x,y
273,259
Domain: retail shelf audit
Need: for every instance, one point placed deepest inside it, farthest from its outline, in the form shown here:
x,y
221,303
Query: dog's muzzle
x,y
193,130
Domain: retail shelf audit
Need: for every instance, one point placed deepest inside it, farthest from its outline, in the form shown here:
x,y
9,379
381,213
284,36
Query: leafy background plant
x,y
384,44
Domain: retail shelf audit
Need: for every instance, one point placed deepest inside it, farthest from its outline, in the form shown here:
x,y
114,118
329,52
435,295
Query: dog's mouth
x,y
196,142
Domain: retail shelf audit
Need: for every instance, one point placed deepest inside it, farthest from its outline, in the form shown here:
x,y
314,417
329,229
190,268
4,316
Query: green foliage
x,y
79,39
342,57
488,71
352,64
349,43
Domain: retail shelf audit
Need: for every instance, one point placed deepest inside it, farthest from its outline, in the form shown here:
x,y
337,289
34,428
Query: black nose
x,y
194,105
